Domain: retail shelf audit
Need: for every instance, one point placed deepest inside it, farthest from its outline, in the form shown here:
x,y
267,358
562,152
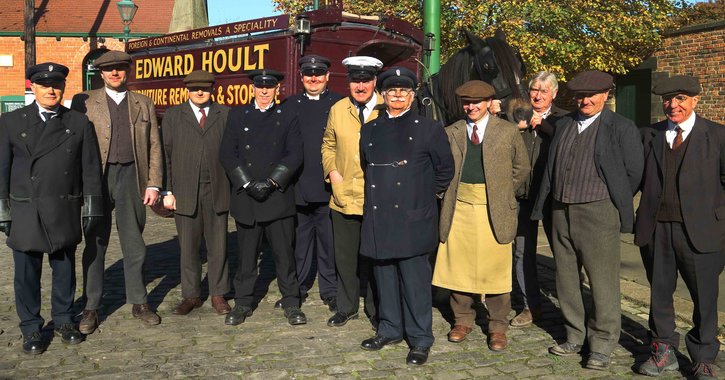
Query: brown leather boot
x,y
187,305
220,305
145,314
89,322
458,333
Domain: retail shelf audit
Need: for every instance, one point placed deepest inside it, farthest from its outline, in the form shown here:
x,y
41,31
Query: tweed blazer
x,y
145,133
505,165
185,144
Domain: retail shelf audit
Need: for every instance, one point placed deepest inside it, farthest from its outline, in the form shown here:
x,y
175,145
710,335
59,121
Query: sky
x,y
228,11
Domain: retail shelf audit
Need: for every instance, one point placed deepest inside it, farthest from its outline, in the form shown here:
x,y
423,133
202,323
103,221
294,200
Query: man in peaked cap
x,y
681,224
407,163
313,235
197,190
132,161
46,196
261,152
594,169
341,168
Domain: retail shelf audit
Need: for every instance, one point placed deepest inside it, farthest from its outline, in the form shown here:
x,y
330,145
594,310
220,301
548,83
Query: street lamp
x,y
127,9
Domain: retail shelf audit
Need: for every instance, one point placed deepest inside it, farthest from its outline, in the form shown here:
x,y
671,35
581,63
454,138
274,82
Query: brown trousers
x,y
498,305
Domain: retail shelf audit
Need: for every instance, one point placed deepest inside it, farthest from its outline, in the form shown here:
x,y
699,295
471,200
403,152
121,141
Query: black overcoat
x,y
45,171
257,142
400,214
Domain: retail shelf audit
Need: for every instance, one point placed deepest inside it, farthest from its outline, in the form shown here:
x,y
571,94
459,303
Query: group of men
x,y
365,190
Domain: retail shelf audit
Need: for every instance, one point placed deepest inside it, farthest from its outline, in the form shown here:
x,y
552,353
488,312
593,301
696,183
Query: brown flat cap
x,y
677,84
475,90
199,78
111,58
593,81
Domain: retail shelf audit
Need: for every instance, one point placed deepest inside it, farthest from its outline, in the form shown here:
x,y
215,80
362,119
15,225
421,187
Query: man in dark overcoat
x,y
197,190
594,168
261,152
681,225
50,178
313,235
407,162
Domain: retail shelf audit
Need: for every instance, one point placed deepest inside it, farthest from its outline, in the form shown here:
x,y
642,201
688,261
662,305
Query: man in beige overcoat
x,y
478,216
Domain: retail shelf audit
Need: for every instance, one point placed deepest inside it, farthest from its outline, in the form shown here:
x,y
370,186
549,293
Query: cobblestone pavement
x,y
266,347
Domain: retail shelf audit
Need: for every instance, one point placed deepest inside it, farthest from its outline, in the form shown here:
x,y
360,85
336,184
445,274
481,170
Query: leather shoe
x,y
340,319
526,317
377,342
418,355
220,305
497,341
565,349
33,344
145,314
597,361
89,322
238,315
331,303
187,305
458,333
279,305
295,316
69,334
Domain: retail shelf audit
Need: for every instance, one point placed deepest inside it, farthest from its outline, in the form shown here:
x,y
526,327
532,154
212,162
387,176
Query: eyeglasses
x,y
401,91
680,99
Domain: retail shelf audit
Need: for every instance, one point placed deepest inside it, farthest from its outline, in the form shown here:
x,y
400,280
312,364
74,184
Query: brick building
x,y
73,33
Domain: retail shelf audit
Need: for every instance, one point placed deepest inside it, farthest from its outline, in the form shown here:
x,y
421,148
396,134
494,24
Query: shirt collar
x,y
399,115
196,108
256,106
686,125
314,97
42,109
117,96
371,103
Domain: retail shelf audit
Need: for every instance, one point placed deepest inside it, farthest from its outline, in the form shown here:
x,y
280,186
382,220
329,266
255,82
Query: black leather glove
x,y
260,190
90,223
5,227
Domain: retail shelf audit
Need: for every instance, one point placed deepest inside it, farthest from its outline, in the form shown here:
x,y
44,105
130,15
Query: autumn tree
x,y
564,36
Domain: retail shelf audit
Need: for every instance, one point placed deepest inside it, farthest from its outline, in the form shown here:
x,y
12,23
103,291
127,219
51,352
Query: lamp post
x,y
127,9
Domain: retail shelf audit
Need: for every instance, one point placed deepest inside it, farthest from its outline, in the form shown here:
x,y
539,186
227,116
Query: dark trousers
x,y
587,235
406,305
120,193
279,234
524,254
207,224
671,253
28,271
498,306
314,243
349,273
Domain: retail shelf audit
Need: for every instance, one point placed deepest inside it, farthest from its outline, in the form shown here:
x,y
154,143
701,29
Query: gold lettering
x,y
206,58
261,49
220,61
235,64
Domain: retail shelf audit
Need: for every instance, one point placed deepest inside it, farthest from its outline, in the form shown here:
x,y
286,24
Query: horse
x,y
491,60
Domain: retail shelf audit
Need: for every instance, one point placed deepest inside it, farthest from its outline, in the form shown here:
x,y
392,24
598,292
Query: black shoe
x,y
238,315
340,319
69,333
662,358
295,316
418,355
278,304
331,303
377,342
703,371
33,344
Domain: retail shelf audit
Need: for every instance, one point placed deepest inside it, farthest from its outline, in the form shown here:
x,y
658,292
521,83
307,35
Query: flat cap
x,y
475,90
677,84
47,72
199,78
362,67
112,58
397,77
265,77
314,64
593,81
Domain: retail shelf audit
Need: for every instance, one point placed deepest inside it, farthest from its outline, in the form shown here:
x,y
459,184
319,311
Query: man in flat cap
x,y
130,146
478,222
341,168
261,152
407,162
50,182
681,224
313,237
594,168
197,190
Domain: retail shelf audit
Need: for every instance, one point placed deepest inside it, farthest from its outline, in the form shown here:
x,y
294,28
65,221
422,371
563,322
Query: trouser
x,y
120,193
349,273
587,235
279,234
314,244
672,252
524,253
207,224
28,271
498,306
406,306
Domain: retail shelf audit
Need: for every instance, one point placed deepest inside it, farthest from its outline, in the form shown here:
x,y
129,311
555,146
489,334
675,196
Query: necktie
x,y
202,120
474,135
47,116
678,139
361,113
